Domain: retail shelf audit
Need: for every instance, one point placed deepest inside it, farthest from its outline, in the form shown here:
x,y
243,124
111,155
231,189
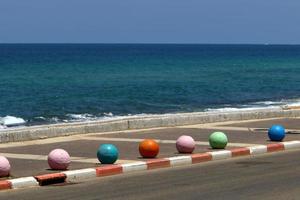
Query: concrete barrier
x,y
130,123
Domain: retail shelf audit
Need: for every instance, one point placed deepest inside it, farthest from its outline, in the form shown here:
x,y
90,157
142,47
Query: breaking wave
x,y
11,121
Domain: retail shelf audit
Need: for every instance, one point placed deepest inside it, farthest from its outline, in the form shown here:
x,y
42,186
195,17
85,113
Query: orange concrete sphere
x,y
149,148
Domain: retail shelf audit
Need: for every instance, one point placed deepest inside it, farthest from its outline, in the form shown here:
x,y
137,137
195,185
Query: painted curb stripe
x,y
4,185
261,149
275,147
240,152
109,170
201,157
49,179
291,145
23,182
180,160
137,166
158,163
220,155
79,175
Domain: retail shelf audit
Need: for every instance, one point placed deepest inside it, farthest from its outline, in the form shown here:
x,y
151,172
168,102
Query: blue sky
x,y
150,21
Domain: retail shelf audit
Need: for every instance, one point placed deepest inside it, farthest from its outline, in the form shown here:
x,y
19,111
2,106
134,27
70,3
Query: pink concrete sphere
x,y
185,144
4,166
59,159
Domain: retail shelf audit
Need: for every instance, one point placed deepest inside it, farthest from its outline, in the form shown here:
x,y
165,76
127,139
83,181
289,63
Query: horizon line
x,y
147,43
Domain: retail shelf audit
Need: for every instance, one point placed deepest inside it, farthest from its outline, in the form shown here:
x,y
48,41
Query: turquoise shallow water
x,y
50,83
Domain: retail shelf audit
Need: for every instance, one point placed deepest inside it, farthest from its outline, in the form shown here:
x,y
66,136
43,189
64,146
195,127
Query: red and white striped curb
x,y
108,170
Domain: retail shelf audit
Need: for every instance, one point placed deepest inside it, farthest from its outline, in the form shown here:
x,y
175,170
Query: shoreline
x,y
132,123
12,121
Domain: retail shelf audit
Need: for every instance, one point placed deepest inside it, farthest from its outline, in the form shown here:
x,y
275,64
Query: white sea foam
x,y
233,109
103,117
268,103
80,117
54,119
227,108
9,121
258,106
2,127
108,114
42,118
294,104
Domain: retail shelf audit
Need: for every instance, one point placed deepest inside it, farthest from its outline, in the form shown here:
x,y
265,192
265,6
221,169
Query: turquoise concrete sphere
x,y
107,153
218,140
276,133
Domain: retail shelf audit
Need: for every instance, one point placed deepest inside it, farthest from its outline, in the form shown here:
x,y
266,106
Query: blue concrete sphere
x,y
276,133
107,153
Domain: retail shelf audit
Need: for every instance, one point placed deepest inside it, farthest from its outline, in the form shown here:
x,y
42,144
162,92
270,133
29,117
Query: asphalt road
x,y
271,176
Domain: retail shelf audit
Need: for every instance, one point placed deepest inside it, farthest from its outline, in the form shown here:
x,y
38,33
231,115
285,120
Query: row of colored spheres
x,y
149,148
59,159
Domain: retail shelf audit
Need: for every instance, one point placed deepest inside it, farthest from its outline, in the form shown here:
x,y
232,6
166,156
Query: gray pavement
x,y
199,134
29,158
273,176
290,123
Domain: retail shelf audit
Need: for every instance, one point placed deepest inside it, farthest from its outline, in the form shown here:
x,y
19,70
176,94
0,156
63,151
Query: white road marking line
x,y
216,124
43,158
259,129
40,142
227,128
160,141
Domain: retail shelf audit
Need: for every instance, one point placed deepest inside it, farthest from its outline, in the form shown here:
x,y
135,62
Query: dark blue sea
x,y
50,83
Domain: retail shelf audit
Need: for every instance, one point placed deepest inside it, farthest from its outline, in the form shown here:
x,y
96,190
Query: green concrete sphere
x,y
218,140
